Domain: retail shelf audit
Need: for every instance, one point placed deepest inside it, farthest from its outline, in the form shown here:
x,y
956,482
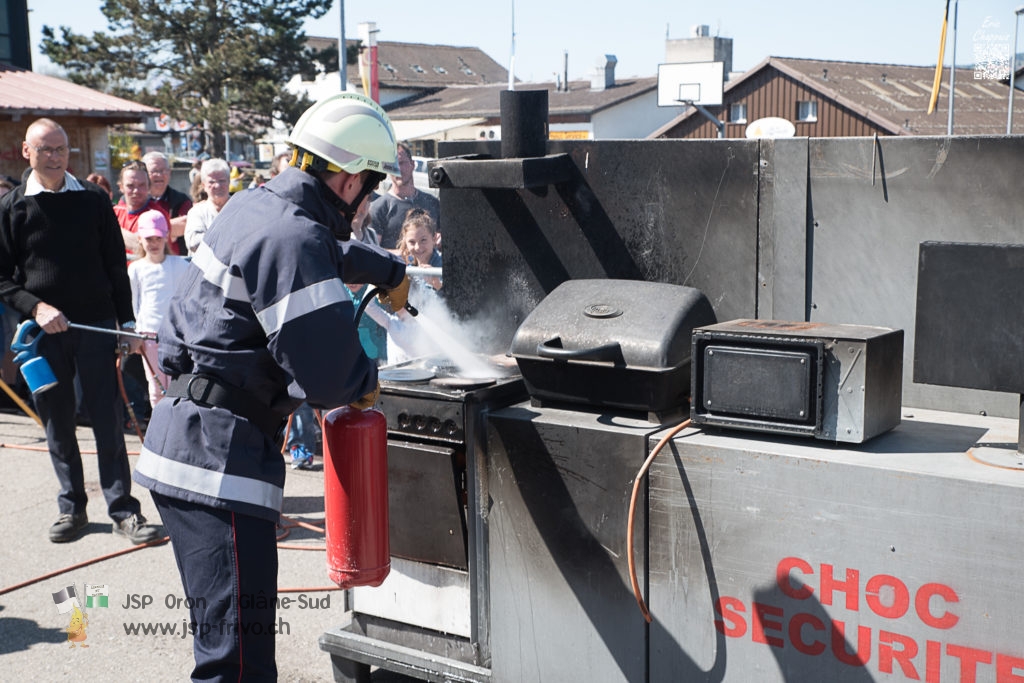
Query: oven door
x,y
427,503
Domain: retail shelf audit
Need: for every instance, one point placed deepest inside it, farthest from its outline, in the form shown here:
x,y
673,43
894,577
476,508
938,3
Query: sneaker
x,y
302,459
68,527
134,528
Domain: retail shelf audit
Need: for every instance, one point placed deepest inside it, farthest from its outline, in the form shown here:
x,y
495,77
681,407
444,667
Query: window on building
x,y
737,113
806,111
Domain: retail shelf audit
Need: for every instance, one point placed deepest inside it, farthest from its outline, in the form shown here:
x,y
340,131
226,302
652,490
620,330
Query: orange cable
x,y
632,515
46,449
86,563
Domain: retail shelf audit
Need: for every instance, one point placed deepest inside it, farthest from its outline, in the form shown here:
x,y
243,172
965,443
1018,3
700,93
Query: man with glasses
x,y
61,258
135,200
175,203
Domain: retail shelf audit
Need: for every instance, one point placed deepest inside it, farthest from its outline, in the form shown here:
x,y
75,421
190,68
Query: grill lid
x,y
612,343
627,323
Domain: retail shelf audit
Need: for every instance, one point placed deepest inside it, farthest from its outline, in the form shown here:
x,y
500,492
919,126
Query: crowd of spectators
x,y
161,227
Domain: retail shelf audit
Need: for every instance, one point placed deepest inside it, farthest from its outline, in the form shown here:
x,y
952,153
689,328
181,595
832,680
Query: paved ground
x,y
33,642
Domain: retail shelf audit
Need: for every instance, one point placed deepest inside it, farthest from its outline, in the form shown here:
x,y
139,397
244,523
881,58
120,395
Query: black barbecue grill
x,y
621,344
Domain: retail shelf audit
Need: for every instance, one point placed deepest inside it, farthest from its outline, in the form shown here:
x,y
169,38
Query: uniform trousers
x,y
92,355
228,567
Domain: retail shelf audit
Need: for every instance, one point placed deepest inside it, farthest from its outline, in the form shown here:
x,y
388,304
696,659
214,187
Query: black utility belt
x,y
209,392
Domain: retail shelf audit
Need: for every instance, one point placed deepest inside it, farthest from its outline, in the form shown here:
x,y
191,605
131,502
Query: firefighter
x,y
259,323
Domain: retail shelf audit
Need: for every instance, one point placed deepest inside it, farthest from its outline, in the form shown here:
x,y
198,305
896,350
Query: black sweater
x,y
64,249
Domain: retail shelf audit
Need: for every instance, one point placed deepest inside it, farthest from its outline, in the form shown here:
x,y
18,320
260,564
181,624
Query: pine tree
x,y
198,59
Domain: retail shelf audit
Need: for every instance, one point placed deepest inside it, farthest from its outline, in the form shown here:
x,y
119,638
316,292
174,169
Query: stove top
x,y
446,380
435,401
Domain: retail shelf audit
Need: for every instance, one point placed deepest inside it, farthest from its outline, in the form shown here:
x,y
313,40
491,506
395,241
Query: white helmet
x,y
348,132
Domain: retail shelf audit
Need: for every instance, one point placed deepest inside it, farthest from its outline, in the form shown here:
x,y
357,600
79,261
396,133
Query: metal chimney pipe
x,y
524,123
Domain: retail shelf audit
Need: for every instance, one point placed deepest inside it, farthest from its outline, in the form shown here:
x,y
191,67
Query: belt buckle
x,y
198,389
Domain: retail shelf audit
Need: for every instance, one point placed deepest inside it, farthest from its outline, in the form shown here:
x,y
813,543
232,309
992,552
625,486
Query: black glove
x,y
395,299
367,401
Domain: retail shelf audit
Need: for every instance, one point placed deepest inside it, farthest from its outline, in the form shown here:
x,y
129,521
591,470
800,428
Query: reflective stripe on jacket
x,y
263,308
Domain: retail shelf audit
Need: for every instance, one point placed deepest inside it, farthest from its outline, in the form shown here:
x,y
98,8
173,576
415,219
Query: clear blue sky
x,y
885,31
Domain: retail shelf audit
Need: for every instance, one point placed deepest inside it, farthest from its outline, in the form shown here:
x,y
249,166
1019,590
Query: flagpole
x,y
343,49
952,72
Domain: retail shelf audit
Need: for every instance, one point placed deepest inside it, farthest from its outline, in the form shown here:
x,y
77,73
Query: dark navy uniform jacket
x,y
263,308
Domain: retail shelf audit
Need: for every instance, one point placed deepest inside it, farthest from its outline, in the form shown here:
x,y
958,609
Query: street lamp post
x,y
1013,68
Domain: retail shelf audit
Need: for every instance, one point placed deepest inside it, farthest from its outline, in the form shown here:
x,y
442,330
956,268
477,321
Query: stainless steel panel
x,y
867,230
561,604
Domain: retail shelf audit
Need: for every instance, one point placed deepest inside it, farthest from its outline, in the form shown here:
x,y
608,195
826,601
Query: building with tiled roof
x,y
443,92
833,99
625,108
407,69
85,114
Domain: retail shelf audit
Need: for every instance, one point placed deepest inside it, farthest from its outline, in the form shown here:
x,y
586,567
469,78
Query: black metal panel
x,y
524,123
759,382
970,331
676,211
426,503
481,172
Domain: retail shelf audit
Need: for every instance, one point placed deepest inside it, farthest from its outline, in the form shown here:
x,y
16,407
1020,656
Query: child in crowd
x,y
154,277
417,243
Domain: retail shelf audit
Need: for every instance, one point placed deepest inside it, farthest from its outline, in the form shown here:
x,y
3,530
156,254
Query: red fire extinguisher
x,y
356,496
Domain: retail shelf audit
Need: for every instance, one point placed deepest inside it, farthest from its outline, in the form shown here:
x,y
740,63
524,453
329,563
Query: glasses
x,y
134,165
50,151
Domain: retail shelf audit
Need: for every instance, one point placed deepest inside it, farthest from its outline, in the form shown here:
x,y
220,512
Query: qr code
x,y
991,61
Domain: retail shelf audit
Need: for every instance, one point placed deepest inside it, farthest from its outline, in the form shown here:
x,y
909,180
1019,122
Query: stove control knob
x,y
403,421
434,425
450,428
420,423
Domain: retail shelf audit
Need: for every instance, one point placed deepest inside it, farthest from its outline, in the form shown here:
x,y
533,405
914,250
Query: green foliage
x,y
196,59
123,148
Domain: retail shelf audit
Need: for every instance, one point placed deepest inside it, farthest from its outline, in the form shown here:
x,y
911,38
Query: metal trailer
x,y
762,557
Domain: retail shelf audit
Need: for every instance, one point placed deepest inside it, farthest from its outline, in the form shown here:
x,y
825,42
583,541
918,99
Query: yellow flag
x,y
938,67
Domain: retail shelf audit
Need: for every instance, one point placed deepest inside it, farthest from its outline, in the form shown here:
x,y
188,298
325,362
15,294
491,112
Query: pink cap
x,y
152,224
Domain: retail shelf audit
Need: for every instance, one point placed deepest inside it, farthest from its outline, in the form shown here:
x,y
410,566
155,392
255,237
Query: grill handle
x,y
610,352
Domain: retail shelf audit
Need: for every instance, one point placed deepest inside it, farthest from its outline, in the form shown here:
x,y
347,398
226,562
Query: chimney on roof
x,y
700,47
604,73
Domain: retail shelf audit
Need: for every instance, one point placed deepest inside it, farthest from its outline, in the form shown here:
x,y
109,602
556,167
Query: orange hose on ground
x,y
632,516
46,449
86,563
305,525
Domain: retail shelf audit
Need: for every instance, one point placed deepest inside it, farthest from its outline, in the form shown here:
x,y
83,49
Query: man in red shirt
x,y
135,199
175,203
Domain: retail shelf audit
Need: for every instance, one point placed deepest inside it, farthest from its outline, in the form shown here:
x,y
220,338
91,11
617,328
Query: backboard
x,y
692,83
